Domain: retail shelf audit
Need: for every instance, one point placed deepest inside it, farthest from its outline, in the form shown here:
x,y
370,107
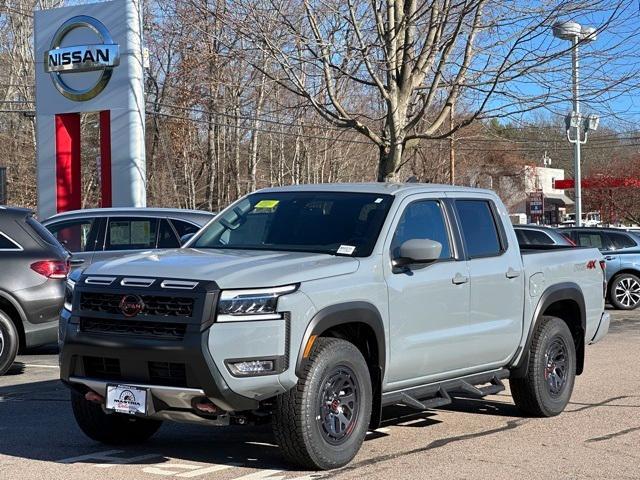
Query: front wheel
x,y
546,389
111,428
625,292
321,423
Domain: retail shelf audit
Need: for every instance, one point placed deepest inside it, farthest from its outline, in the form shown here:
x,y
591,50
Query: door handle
x,y
511,273
459,279
609,257
77,261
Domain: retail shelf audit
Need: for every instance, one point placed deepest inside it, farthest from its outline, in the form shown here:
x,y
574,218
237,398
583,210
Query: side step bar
x,y
438,394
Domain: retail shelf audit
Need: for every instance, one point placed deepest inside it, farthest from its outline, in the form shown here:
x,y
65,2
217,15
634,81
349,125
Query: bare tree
x,y
392,69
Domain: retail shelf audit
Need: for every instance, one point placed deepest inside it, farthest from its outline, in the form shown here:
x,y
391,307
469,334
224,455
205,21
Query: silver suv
x,y
93,235
315,306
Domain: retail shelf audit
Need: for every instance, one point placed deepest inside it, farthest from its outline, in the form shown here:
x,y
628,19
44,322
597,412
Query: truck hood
x,y
228,268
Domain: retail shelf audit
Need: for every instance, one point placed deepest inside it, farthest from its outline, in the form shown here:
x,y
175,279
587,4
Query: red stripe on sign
x,y
68,181
105,158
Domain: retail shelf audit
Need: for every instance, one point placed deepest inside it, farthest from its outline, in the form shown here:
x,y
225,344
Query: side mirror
x,y
418,250
185,238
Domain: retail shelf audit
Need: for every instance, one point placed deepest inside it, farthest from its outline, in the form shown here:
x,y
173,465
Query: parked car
x,y
318,305
541,236
621,250
32,284
98,234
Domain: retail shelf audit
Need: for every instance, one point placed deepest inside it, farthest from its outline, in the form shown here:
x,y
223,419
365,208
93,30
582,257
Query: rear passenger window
x,y
74,234
131,233
621,240
7,244
479,229
423,220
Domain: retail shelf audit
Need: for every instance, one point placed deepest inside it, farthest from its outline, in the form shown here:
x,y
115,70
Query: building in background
x,y
540,201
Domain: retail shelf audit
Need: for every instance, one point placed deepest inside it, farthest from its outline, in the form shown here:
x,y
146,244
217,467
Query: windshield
x,y
337,223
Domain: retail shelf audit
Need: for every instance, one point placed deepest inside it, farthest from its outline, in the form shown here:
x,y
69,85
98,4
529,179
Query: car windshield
x,y
338,223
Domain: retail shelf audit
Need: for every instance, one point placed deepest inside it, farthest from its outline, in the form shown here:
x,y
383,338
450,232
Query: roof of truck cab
x,y
376,188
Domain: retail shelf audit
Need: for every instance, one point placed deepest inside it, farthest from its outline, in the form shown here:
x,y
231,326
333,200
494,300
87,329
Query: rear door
x,y
428,304
497,282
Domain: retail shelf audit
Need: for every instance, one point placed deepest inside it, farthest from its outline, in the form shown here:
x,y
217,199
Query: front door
x,y
428,304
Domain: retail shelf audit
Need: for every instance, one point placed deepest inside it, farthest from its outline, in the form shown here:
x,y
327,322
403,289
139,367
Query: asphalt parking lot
x,y
597,437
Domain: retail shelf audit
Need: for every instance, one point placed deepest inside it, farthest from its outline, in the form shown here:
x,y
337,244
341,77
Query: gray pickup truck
x,y
315,306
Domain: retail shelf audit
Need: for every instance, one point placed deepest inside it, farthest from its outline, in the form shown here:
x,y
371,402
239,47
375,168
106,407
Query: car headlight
x,y
253,304
68,294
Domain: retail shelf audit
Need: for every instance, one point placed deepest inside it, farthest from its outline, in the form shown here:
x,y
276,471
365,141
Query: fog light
x,y
252,367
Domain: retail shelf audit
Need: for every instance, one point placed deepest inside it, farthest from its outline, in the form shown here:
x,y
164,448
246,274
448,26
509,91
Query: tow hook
x,y
205,405
94,397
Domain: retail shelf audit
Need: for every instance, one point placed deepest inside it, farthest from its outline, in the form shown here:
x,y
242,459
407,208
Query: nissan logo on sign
x,y
102,56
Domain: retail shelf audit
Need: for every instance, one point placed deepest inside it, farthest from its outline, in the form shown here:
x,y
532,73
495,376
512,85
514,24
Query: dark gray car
x,y
540,236
99,234
33,268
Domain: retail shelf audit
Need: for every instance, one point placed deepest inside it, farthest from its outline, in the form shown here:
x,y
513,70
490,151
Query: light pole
x,y
577,34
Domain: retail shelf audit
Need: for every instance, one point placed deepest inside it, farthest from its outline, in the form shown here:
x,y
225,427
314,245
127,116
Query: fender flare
x,y
340,314
553,294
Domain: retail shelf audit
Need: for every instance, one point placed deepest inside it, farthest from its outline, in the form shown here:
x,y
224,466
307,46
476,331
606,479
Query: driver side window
x,y
423,219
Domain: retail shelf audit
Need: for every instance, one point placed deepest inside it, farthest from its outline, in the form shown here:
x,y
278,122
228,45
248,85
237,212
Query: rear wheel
x,y
321,423
9,342
111,428
624,293
546,389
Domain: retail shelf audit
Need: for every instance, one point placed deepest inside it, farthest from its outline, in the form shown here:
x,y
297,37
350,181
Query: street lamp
x,y
577,34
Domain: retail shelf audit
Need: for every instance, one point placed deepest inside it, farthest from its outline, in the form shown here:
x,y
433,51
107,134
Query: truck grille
x,y
167,373
156,305
162,330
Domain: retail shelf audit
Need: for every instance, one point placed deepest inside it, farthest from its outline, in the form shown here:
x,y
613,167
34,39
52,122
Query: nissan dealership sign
x,y
102,56
89,59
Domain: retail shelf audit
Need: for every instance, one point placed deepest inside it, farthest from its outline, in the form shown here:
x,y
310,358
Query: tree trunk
x,y
389,162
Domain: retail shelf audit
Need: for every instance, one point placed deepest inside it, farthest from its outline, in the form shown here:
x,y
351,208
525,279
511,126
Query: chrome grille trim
x,y
99,280
137,282
179,284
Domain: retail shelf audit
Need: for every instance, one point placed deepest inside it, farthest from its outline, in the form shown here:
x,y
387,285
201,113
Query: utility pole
x,y
452,151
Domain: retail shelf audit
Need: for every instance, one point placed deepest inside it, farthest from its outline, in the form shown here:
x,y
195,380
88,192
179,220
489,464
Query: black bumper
x,y
136,356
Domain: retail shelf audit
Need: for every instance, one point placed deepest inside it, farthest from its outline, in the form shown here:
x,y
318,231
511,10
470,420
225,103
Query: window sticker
x,y
346,249
268,204
140,232
378,200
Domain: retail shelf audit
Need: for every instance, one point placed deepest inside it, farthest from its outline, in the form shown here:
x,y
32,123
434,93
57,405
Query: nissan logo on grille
x,y
131,305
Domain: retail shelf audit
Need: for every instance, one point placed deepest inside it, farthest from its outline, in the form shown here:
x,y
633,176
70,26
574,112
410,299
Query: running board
x,y
438,394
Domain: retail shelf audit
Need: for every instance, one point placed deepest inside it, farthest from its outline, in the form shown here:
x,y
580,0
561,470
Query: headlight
x,y
254,304
68,294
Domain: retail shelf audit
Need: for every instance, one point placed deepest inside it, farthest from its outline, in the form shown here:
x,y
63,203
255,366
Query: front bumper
x,y
603,327
177,372
173,353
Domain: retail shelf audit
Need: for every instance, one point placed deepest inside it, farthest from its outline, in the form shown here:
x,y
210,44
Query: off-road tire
x,y
111,428
9,343
533,393
618,282
296,419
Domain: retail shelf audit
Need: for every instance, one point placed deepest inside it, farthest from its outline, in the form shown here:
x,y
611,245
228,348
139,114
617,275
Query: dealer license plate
x,y
126,399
